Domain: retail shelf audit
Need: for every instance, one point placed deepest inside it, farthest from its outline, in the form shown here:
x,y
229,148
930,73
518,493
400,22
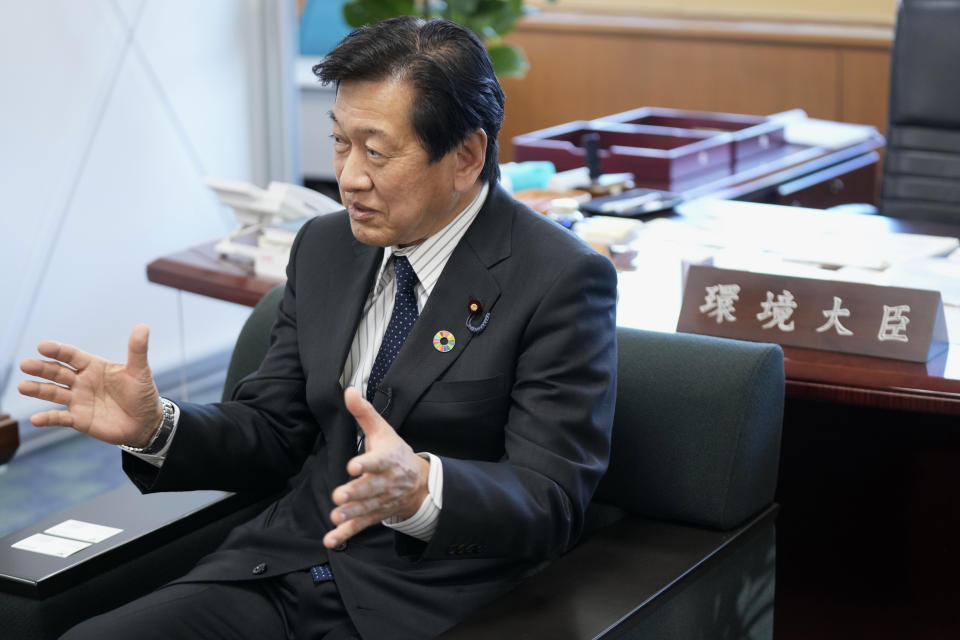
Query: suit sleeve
x,y
255,441
530,505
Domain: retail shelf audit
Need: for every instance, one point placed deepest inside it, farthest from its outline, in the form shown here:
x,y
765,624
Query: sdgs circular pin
x,y
443,341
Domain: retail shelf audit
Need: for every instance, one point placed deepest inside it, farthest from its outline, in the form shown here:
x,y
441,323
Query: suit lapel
x,y
346,290
465,277
345,274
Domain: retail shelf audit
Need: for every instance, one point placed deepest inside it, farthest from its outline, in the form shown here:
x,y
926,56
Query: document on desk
x,y
66,538
83,531
50,545
831,240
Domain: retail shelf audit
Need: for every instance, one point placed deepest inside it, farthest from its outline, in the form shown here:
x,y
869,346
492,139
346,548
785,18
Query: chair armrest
x,y
632,571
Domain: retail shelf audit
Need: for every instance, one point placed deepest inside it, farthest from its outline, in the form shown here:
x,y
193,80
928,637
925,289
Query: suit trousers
x,y
285,607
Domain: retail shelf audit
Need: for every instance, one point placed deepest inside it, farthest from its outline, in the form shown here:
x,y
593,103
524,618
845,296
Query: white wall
x,y
111,114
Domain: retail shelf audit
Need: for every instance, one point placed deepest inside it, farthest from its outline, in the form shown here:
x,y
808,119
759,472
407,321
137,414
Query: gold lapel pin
x,y
475,310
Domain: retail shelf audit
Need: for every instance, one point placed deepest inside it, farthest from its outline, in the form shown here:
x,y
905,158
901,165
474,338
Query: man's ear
x,y
471,155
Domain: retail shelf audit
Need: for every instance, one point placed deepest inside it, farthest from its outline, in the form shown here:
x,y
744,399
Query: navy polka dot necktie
x,y
401,321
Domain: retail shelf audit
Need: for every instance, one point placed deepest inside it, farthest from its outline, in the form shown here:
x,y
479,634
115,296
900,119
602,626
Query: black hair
x,y
456,91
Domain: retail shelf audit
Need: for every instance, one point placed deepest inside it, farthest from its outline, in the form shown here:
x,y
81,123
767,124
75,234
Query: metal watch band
x,y
162,434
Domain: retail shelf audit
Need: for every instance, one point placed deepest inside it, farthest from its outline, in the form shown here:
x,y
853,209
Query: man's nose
x,y
353,174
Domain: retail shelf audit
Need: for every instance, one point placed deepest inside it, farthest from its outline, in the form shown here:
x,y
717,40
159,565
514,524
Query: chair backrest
x,y
696,436
921,174
253,341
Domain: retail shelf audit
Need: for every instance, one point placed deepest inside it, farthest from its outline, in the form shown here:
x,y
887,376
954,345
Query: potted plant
x,y
489,19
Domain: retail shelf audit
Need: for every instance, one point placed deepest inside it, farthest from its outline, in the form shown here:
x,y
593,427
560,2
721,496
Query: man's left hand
x,y
391,480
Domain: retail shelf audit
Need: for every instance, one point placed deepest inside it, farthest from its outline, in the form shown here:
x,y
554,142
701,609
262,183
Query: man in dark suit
x,y
481,334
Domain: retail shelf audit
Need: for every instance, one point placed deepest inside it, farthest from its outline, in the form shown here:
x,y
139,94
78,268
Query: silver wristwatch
x,y
162,434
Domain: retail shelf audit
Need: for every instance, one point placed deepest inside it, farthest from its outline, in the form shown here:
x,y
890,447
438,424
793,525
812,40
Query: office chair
x,y
921,170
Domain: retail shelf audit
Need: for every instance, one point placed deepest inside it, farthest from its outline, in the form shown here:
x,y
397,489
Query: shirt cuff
x,y
423,523
156,459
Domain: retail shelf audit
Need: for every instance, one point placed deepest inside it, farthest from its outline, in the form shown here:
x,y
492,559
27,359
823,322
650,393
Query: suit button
x,y
260,568
341,547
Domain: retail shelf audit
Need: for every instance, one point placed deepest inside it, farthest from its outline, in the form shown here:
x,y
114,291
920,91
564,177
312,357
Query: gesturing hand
x,y
109,401
391,480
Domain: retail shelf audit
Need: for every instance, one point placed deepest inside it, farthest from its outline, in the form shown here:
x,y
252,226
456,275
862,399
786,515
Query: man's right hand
x,y
109,401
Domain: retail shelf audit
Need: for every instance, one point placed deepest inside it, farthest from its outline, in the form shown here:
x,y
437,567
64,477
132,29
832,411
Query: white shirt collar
x,y
430,256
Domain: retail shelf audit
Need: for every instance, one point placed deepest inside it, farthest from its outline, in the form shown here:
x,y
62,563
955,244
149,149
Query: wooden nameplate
x,y
849,317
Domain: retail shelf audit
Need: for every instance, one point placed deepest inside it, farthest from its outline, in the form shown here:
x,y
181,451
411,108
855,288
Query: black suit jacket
x,y
520,414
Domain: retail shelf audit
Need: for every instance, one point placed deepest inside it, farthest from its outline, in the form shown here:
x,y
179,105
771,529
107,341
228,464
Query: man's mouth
x,y
359,211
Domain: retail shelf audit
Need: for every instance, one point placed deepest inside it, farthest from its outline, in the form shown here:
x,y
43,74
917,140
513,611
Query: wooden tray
x,y
648,152
751,134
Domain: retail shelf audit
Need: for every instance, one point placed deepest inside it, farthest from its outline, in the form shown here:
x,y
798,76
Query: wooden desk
x,y
932,388
813,375
201,270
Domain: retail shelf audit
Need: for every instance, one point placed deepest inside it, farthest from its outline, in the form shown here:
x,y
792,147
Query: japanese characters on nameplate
x,y
891,322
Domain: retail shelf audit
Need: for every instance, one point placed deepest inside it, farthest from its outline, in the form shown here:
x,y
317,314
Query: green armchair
x,y
683,544
681,537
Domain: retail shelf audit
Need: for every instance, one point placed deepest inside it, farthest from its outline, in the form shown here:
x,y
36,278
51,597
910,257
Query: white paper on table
x,y
84,531
826,133
50,545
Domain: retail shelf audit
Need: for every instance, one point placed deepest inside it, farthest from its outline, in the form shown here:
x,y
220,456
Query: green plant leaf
x,y
462,6
357,13
503,14
489,19
508,61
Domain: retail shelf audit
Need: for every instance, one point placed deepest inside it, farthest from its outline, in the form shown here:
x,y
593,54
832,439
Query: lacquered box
x,y
656,145
751,134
